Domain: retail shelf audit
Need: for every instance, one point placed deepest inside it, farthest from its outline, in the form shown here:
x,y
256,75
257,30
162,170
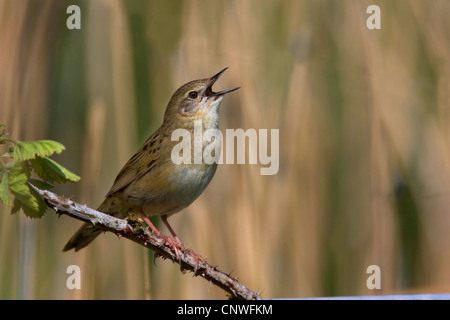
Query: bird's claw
x,y
176,245
173,244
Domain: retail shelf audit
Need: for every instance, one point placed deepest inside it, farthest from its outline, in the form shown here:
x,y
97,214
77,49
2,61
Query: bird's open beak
x,y
214,78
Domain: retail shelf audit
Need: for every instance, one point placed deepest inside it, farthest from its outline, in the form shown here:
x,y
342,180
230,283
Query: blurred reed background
x,y
364,123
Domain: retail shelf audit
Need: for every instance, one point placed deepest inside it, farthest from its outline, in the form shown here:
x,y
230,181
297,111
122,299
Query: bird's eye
x,y
193,94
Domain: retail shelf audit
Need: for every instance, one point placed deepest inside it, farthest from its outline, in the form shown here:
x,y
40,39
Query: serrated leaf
x,y
5,195
18,167
17,182
16,206
42,207
31,203
41,184
27,150
51,171
23,197
68,175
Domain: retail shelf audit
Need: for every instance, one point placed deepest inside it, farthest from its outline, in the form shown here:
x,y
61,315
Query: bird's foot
x,y
196,258
174,243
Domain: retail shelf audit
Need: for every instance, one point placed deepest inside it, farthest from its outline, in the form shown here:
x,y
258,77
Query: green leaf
x,y
27,150
16,206
17,181
42,207
16,186
5,195
30,202
25,198
51,171
41,184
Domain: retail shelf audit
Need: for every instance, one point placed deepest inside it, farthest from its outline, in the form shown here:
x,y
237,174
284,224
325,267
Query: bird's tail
x,y
88,232
85,235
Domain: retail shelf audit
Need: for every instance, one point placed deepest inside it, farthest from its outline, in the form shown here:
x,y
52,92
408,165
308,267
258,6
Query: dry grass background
x,y
364,121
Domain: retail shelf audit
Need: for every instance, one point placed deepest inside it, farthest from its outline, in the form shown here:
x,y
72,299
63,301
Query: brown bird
x,y
150,183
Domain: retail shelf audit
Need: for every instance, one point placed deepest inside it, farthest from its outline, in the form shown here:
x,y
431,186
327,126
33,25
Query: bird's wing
x,y
139,164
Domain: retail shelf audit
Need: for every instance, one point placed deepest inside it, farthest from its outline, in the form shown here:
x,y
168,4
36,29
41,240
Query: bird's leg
x,y
156,231
149,223
174,235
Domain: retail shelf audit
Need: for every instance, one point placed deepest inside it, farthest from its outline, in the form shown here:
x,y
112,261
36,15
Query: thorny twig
x,y
122,228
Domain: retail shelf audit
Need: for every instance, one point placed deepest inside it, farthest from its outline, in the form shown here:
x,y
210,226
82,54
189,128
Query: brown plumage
x,y
150,183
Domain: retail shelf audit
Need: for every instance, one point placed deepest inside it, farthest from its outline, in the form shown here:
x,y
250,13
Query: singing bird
x,y
150,183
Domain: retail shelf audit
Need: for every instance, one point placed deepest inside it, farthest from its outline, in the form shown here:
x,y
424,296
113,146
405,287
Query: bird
x,y
150,183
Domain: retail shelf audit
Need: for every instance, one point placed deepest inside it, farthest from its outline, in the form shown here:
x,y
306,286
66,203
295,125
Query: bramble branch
x,y
188,260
